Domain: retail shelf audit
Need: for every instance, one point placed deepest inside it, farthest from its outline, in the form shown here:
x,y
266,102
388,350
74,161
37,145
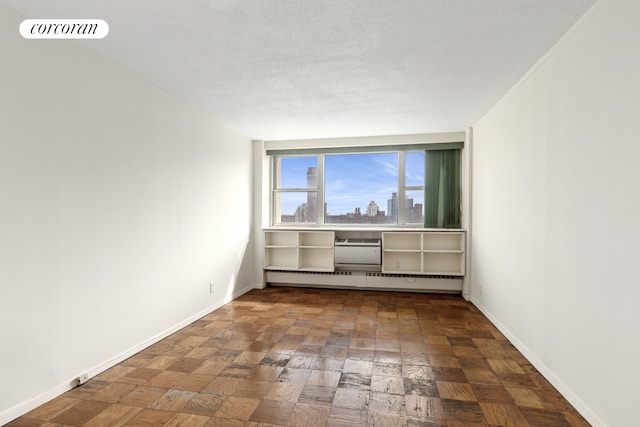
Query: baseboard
x,y
22,408
562,388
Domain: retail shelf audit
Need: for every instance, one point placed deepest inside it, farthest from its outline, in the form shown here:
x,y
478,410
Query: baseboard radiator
x,y
366,280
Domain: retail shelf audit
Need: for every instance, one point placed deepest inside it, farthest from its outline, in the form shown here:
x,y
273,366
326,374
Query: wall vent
x,y
421,276
324,273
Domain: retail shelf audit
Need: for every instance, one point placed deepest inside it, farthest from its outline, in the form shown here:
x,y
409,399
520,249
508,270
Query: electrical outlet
x,y
210,287
82,379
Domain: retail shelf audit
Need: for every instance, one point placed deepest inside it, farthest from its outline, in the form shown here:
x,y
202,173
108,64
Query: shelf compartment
x,y
401,240
401,262
323,239
281,258
441,263
443,241
281,238
316,259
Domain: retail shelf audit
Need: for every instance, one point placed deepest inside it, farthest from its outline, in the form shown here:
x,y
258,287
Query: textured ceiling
x,y
285,69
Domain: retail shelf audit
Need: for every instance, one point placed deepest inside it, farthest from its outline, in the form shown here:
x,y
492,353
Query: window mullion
x,y
275,183
321,189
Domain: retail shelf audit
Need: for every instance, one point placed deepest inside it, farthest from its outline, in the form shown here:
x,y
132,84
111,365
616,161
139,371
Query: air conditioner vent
x,y
421,276
324,273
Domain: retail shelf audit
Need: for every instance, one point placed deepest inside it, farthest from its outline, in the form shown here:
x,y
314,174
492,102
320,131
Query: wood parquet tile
x,y
313,358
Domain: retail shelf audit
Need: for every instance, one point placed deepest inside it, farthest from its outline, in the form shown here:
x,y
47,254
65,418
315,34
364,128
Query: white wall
x,y
118,206
555,212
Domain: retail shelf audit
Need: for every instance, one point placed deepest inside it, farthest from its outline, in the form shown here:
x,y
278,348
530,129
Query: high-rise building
x,y
392,205
408,204
372,209
302,213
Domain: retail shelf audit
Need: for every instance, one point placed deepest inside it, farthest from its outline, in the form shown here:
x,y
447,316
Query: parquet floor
x,y
309,357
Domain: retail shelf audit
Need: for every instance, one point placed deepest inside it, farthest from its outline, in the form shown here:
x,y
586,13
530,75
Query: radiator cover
x,y
366,280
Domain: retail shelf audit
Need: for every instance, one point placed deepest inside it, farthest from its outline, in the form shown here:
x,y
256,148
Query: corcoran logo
x,y
64,29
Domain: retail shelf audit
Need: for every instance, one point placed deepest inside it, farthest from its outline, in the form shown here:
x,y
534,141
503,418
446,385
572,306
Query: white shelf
x,y
299,250
402,241
439,253
284,258
442,241
280,239
316,239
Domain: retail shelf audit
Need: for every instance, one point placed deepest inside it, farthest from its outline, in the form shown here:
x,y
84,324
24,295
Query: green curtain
x,y
442,189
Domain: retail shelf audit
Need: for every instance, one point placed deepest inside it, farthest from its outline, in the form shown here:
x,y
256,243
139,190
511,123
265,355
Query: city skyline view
x,y
353,181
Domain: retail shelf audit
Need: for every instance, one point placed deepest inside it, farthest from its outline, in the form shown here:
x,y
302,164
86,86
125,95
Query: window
x,y
414,187
357,187
296,189
342,187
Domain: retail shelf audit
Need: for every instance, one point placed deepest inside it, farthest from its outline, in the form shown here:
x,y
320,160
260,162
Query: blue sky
x,y
354,180
351,180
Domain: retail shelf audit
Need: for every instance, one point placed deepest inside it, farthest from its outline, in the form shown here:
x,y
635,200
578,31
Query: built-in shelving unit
x,y
299,250
414,260
439,253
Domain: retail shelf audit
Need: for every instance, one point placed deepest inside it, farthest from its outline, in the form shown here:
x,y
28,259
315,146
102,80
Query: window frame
x,y
275,191
402,188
